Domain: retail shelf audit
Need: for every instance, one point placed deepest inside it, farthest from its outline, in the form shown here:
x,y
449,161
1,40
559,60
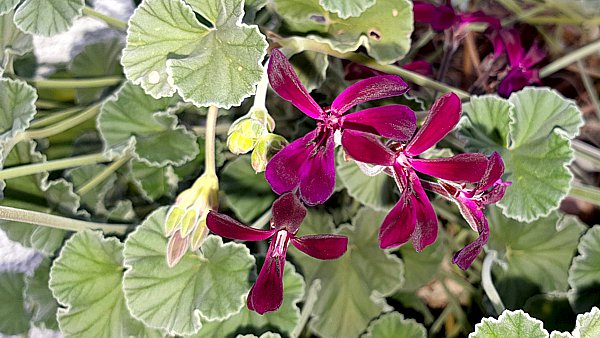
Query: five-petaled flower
x,y
413,216
288,213
308,164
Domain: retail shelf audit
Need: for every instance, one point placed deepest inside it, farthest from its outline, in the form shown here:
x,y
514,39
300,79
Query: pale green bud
x,y
261,115
199,234
239,144
176,248
265,148
173,219
188,222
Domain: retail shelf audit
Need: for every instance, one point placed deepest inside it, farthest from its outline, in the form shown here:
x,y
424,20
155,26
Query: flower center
x,y
280,243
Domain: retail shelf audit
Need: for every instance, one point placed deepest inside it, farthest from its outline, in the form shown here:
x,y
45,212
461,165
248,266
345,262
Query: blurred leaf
x,y
47,18
153,182
212,284
311,68
264,335
584,274
247,193
7,5
510,324
553,310
14,318
346,8
39,297
420,267
94,198
12,40
133,120
588,324
17,108
393,325
350,297
532,132
217,65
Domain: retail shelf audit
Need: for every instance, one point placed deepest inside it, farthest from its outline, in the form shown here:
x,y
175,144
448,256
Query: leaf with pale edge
x,y
93,199
86,280
14,318
393,325
384,29
133,120
532,131
206,66
584,274
284,319
47,18
350,297
7,6
510,324
17,108
346,8
39,297
540,251
12,40
264,335
211,285
153,182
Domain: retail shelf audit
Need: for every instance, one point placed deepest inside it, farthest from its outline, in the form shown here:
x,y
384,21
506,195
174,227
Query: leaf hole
x,y
317,18
374,34
204,21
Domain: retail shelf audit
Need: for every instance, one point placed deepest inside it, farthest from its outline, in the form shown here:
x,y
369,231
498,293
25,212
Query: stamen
x,y
280,243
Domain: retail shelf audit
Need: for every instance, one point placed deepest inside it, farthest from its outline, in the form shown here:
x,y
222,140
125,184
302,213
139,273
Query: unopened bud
x,y
173,219
176,248
188,222
200,233
239,144
265,148
261,115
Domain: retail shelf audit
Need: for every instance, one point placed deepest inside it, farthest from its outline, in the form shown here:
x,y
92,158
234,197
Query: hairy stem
x,y
209,150
113,22
76,83
54,117
586,152
91,184
261,92
570,58
29,169
488,284
585,193
66,124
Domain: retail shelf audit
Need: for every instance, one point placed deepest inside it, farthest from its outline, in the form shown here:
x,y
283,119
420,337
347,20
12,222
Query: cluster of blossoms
x,y
304,173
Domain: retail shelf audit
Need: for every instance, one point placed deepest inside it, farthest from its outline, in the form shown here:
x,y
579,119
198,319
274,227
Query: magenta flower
x,y
288,213
471,203
413,216
308,163
521,72
444,16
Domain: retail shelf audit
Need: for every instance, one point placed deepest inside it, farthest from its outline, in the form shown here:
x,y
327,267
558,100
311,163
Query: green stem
x,y
29,169
261,92
589,87
488,284
54,117
91,184
523,16
262,220
47,104
76,83
57,222
585,193
570,58
307,309
114,22
209,149
311,45
64,125
586,152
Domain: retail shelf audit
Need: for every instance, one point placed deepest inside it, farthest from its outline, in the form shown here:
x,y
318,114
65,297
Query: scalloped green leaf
x,y
264,335
246,321
132,120
86,281
539,252
584,274
346,8
94,198
39,297
47,18
12,39
153,182
247,193
421,267
350,297
14,317
218,65
17,108
510,324
7,6
376,192
384,28
393,325
532,132
211,285
311,68
588,324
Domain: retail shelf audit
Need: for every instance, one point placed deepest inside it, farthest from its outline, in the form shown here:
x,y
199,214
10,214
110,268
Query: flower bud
x,y
245,132
262,116
176,248
265,148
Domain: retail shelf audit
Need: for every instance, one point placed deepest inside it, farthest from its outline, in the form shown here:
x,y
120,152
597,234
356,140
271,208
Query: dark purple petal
x,y
285,82
394,121
399,224
356,71
288,213
496,193
266,294
468,167
515,80
493,172
439,17
426,227
512,44
474,215
420,67
367,148
228,227
317,177
442,118
373,88
283,170
322,246
534,55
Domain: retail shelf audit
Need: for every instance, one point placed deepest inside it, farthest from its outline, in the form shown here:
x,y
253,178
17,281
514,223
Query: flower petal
x,y
439,17
317,177
493,172
322,246
512,44
442,118
480,16
426,227
373,88
266,294
515,80
283,170
367,148
285,82
356,71
468,167
474,215
420,67
176,248
228,227
534,55
394,121
399,224
288,213
496,193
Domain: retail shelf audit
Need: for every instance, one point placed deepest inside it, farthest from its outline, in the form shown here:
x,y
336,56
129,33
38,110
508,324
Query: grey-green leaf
x,y
14,318
510,324
584,274
7,6
17,108
346,8
47,18
153,182
393,325
39,297
12,39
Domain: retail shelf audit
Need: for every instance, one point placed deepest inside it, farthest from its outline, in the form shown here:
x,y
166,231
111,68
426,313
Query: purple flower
x,y
444,16
521,72
413,216
471,203
288,213
308,163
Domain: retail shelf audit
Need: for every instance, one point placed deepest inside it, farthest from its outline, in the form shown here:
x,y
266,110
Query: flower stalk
x,y
29,169
113,22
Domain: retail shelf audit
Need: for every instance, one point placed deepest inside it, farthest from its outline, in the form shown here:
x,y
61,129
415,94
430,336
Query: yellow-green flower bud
x,y
262,116
239,144
199,234
173,219
188,222
176,248
265,148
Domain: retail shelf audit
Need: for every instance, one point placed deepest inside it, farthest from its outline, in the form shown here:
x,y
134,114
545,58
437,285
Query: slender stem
x,y
488,284
54,117
220,129
76,83
114,22
261,92
29,169
91,184
57,222
311,300
589,87
209,150
522,16
570,58
65,124
540,20
47,104
587,152
585,193
307,44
